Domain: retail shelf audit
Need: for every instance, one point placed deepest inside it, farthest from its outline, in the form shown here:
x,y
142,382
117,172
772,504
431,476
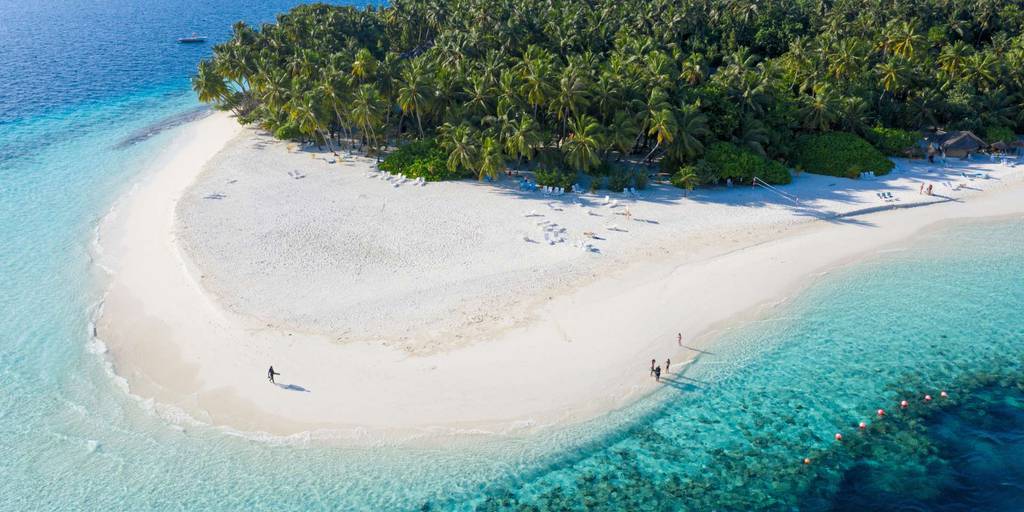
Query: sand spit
x,y
450,307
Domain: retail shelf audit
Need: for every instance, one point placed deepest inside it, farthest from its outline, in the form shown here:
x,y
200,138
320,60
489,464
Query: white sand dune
x,y
454,305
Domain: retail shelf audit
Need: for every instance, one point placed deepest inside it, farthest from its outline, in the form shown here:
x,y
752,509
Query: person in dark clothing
x,y
270,375
657,373
668,363
652,366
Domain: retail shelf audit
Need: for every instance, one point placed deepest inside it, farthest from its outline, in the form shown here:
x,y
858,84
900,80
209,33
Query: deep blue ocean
x,y
92,90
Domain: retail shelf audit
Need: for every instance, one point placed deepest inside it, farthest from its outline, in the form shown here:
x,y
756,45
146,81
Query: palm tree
x,y
690,126
570,97
412,95
980,70
852,114
365,66
892,76
952,59
462,150
845,61
662,127
753,136
208,84
304,115
687,179
623,133
478,95
693,69
365,111
524,138
606,95
820,110
583,145
903,39
536,75
492,161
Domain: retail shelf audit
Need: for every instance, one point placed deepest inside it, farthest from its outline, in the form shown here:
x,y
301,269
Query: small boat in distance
x,y
192,39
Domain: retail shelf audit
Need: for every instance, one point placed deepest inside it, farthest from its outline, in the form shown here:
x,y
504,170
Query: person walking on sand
x,y
679,339
270,375
652,366
668,363
657,374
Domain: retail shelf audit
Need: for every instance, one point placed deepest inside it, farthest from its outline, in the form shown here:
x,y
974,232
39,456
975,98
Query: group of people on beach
x,y
656,369
926,190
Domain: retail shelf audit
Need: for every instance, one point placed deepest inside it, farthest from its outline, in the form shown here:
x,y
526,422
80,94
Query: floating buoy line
x,y
880,414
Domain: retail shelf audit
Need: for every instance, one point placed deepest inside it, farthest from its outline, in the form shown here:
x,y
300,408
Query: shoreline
x,y
174,342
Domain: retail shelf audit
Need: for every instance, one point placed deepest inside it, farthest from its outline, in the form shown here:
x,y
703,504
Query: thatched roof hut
x,y
954,143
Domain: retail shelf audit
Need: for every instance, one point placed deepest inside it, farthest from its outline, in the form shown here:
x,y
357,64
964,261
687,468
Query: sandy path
x,y
582,352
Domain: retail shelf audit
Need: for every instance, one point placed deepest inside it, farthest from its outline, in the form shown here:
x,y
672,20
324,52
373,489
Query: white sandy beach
x,y
446,307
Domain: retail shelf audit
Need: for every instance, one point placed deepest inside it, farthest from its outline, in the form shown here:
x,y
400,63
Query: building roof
x,y
955,140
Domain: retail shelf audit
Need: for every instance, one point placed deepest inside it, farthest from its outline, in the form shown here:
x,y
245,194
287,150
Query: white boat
x,y
194,38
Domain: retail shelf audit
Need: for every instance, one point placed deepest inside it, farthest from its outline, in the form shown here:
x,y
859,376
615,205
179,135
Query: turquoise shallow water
x,y
79,125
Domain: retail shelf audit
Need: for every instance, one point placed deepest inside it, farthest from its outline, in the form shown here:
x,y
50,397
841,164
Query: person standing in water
x,y
271,373
657,374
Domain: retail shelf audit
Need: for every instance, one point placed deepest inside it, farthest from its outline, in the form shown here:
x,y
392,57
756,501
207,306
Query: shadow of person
x,y
292,387
678,384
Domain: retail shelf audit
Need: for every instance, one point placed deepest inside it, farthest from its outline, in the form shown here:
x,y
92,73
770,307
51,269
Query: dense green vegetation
x,y
420,159
727,161
892,141
576,84
839,154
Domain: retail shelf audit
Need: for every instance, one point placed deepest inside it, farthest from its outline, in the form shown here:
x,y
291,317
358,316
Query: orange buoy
x,y
944,394
881,412
862,426
807,460
903,404
927,398
839,437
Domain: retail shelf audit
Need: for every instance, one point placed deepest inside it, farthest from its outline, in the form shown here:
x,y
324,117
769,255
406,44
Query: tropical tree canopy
x,y
586,80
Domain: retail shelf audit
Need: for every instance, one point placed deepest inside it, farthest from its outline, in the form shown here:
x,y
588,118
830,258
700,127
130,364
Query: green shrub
x,y
995,134
554,178
892,141
724,160
287,131
687,177
640,180
602,169
839,154
420,159
619,180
